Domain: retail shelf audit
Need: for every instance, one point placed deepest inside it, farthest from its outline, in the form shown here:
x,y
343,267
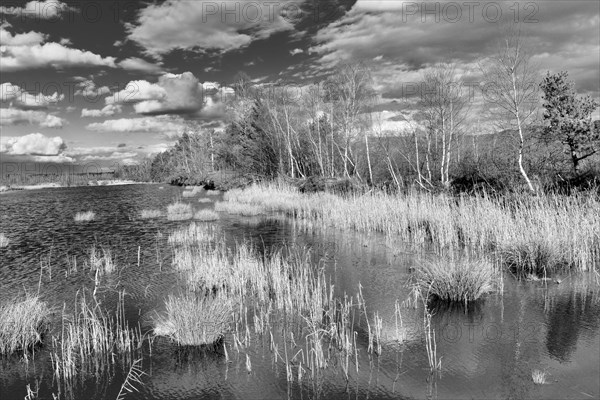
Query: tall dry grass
x,y
528,233
23,325
179,211
85,216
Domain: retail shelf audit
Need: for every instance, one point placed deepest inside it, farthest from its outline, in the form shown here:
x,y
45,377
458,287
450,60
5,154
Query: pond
x,y
488,350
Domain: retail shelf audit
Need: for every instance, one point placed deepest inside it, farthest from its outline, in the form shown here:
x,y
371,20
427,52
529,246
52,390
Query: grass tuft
x,y
23,325
85,216
179,211
4,241
539,377
206,215
194,320
149,214
456,280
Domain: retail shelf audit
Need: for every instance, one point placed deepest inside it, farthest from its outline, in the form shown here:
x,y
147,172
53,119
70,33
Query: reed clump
x,y
85,216
179,211
206,215
23,325
4,240
456,279
194,320
150,214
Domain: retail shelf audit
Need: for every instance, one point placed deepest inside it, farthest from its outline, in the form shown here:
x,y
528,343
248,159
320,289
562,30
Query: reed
x,y
85,216
92,340
149,214
23,325
194,320
456,278
103,261
206,215
192,234
244,209
213,192
179,211
539,377
204,200
4,240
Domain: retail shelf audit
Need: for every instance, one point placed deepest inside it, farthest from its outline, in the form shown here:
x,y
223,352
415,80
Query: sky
x,y
112,82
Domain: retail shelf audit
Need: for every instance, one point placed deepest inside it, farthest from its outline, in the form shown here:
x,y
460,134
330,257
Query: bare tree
x,y
350,91
445,106
511,89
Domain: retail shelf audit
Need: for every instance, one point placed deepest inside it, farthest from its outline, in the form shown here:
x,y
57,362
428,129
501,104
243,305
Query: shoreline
x,y
56,185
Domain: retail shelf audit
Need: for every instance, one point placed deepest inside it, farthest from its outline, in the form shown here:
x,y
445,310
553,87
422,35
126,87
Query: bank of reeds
x,y
179,211
245,209
149,214
85,216
527,233
23,325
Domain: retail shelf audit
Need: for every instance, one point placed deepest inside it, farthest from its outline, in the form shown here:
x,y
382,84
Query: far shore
x,y
50,185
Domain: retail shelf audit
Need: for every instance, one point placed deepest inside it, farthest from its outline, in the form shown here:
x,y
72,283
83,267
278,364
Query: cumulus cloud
x,y
178,94
21,39
32,144
165,125
49,9
296,51
138,64
24,100
28,51
88,89
417,35
106,111
13,116
207,25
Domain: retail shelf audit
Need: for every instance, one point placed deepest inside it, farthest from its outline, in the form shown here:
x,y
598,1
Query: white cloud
x,y
296,51
13,116
172,94
65,42
24,100
28,51
52,121
115,155
88,89
20,39
138,64
203,25
32,144
166,125
49,9
106,111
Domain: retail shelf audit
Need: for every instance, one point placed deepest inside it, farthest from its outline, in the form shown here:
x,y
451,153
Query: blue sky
x,y
112,82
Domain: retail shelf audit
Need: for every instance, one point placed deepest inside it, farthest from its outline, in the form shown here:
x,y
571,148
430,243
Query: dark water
x,y
487,351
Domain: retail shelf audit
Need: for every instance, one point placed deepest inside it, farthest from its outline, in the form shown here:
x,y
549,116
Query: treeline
x,y
328,131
